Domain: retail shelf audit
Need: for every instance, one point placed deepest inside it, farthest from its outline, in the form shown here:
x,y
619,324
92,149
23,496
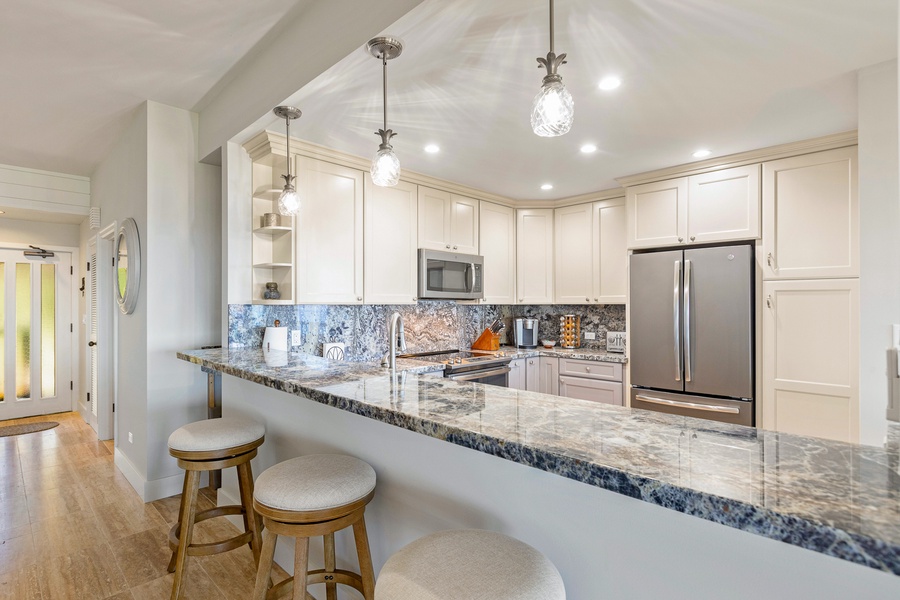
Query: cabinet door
x,y
534,256
390,243
723,205
657,213
610,251
811,216
549,383
463,224
498,247
434,219
811,357
574,260
329,233
533,374
608,392
517,369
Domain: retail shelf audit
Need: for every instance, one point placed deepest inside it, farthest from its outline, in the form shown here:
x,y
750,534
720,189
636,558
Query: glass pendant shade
x,y
289,202
385,168
553,110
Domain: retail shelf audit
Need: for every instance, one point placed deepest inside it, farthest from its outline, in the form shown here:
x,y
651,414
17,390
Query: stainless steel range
x,y
491,368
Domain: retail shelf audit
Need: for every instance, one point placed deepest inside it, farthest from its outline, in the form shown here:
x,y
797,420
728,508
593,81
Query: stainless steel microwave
x,y
450,276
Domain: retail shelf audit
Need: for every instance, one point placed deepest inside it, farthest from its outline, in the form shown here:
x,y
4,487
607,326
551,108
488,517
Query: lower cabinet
x,y
549,383
517,374
591,380
533,374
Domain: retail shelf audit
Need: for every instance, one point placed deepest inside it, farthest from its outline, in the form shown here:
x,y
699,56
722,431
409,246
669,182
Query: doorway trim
x,y
108,367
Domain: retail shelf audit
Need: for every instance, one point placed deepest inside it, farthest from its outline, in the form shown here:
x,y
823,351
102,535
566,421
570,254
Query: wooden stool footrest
x,y
213,547
337,576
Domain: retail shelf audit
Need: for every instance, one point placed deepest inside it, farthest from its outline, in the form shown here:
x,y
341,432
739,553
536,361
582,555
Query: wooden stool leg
x,y
301,567
267,556
330,588
186,518
184,497
251,519
365,558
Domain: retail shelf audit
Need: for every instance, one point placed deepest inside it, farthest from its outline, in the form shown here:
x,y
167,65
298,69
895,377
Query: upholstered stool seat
x,y
209,446
311,496
469,564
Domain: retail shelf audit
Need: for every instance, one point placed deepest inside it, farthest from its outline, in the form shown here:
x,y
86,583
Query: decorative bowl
x,y
548,343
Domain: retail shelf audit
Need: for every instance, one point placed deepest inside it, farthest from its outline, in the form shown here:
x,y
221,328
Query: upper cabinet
x,y
447,222
534,256
713,207
811,208
497,240
329,233
390,243
272,244
591,258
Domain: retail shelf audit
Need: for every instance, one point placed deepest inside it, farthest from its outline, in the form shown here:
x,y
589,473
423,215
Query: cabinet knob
x,y
587,299
587,369
596,299
520,299
448,246
680,239
769,260
769,301
359,298
454,247
693,237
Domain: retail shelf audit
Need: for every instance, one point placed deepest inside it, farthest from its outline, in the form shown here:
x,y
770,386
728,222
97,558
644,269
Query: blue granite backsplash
x,y
430,325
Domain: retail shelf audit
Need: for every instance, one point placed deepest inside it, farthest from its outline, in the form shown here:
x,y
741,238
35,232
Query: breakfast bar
x,y
627,503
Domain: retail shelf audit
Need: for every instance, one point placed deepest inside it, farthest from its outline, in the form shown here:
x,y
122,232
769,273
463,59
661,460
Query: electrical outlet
x,y
590,335
130,438
296,340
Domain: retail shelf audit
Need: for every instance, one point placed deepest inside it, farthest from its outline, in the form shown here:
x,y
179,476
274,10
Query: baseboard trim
x,y
127,469
155,489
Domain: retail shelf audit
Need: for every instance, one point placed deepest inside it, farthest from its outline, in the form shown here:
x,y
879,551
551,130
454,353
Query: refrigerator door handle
x,y
691,405
676,320
687,320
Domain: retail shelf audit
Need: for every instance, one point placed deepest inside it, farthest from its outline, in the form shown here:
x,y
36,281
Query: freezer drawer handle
x,y
676,319
732,410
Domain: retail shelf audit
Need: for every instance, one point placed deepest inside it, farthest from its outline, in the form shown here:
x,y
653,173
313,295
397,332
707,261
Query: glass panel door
x,y
35,308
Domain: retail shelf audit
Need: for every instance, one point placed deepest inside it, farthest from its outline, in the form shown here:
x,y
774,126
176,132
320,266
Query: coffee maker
x,y
525,333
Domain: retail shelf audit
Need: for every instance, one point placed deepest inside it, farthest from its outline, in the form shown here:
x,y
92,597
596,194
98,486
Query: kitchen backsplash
x,y
429,325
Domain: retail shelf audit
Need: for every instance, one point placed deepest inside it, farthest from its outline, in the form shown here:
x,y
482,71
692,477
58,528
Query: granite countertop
x,y
842,500
576,353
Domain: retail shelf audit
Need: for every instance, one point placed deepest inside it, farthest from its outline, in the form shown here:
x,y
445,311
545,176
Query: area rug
x,y
26,428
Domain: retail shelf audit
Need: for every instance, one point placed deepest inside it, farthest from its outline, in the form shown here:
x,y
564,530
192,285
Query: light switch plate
x,y
590,335
296,339
615,341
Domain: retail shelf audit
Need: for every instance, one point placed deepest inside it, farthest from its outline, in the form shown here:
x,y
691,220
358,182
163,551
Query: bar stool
x,y
310,496
207,446
469,564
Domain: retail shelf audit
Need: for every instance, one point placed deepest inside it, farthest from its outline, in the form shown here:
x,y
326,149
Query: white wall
x,y
14,231
879,241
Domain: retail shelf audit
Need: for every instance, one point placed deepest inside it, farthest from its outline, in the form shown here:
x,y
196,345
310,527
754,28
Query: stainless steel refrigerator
x,y
691,336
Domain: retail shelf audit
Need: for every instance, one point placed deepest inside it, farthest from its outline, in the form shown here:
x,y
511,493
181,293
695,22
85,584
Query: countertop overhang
x,y
839,499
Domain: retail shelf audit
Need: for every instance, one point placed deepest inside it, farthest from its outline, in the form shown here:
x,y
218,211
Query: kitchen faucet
x,y
395,330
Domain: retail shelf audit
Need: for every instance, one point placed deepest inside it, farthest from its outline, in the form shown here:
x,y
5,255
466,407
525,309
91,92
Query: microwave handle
x,y
470,278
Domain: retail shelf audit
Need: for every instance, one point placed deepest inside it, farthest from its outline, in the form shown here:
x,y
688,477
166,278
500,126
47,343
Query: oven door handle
x,y
469,376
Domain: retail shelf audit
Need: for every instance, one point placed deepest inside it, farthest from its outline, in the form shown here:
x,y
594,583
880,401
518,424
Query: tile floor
x,y
72,527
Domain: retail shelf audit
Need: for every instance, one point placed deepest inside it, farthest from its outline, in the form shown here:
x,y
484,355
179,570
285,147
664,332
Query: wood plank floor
x,y
72,527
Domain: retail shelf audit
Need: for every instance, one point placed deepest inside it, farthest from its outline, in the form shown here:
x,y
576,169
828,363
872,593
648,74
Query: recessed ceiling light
x,y
547,186
701,153
609,82
2,212
432,148
588,148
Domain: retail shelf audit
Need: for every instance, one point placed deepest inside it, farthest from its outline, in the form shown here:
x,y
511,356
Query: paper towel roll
x,y
275,338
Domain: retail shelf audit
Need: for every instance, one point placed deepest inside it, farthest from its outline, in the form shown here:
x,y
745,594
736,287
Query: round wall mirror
x,y
128,266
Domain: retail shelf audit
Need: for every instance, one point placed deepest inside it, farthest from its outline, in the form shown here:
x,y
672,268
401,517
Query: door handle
x,y
676,319
92,344
770,260
687,320
732,410
769,301
470,278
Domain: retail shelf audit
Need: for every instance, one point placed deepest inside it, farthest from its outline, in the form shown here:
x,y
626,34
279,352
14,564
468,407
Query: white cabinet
x,y
811,216
549,383
272,246
533,374
573,256
610,249
591,380
497,240
391,226
329,229
534,256
811,357
517,370
447,222
712,207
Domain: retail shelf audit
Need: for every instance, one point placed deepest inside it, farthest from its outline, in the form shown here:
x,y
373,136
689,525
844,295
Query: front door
x,y
35,334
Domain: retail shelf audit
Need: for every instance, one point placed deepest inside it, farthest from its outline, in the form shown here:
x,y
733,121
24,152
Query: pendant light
x,y
289,200
385,165
553,109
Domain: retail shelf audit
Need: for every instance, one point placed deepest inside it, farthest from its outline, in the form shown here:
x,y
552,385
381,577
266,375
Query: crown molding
x,y
828,142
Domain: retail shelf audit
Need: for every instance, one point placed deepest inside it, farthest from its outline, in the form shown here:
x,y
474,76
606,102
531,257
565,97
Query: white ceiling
x,y
72,72
728,75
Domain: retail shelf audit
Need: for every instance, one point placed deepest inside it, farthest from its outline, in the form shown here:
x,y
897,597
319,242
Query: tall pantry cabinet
x,y
809,259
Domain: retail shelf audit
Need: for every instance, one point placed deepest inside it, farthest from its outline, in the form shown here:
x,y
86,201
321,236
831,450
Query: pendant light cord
x,y
384,87
551,25
287,123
